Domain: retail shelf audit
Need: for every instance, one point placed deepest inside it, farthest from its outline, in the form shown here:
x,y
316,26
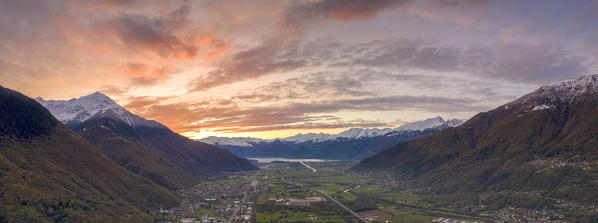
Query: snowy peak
x,y
569,89
233,141
314,137
127,117
353,133
430,123
580,85
563,91
454,122
78,110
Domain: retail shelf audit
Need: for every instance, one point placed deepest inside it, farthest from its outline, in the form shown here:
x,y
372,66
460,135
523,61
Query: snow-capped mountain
x,y
233,141
454,122
552,95
316,137
548,96
569,89
353,133
78,110
145,147
429,123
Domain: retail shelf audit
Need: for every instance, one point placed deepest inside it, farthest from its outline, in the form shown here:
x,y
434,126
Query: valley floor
x,y
290,192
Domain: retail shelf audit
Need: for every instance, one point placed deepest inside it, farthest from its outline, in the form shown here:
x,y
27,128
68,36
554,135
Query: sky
x,y
276,68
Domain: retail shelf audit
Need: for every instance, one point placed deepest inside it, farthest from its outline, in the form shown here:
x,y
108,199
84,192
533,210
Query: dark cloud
x,y
358,83
273,55
460,3
158,34
393,103
302,14
248,64
402,54
541,64
312,85
534,64
107,4
25,20
537,64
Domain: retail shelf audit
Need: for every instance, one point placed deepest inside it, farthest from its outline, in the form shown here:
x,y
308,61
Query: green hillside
x,y
551,152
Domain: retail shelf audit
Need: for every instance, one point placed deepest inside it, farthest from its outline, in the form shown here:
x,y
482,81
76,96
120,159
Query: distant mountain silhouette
x,y
338,149
352,144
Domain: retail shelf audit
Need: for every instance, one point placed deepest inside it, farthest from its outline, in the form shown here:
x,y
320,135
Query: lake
x,y
269,160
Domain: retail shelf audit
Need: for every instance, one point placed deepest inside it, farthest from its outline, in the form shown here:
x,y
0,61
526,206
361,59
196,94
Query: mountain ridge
x,y
77,110
144,147
337,149
353,133
510,148
56,175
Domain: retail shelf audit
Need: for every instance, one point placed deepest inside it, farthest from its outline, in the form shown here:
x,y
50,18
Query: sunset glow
x,y
277,68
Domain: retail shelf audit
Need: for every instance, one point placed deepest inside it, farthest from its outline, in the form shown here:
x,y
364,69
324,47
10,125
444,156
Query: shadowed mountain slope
x,y
49,173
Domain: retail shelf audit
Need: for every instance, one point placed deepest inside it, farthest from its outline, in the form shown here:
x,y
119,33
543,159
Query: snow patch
x,y
563,91
541,107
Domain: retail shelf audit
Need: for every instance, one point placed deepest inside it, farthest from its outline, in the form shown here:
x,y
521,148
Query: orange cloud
x,y
143,74
231,117
299,16
216,46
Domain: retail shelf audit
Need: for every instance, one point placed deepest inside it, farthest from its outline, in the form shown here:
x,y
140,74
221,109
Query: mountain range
x,y
353,144
48,173
543,143
90,160
144,147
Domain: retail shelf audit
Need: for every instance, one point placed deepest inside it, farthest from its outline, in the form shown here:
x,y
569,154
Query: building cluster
x,y
512,214
217,203
383,181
